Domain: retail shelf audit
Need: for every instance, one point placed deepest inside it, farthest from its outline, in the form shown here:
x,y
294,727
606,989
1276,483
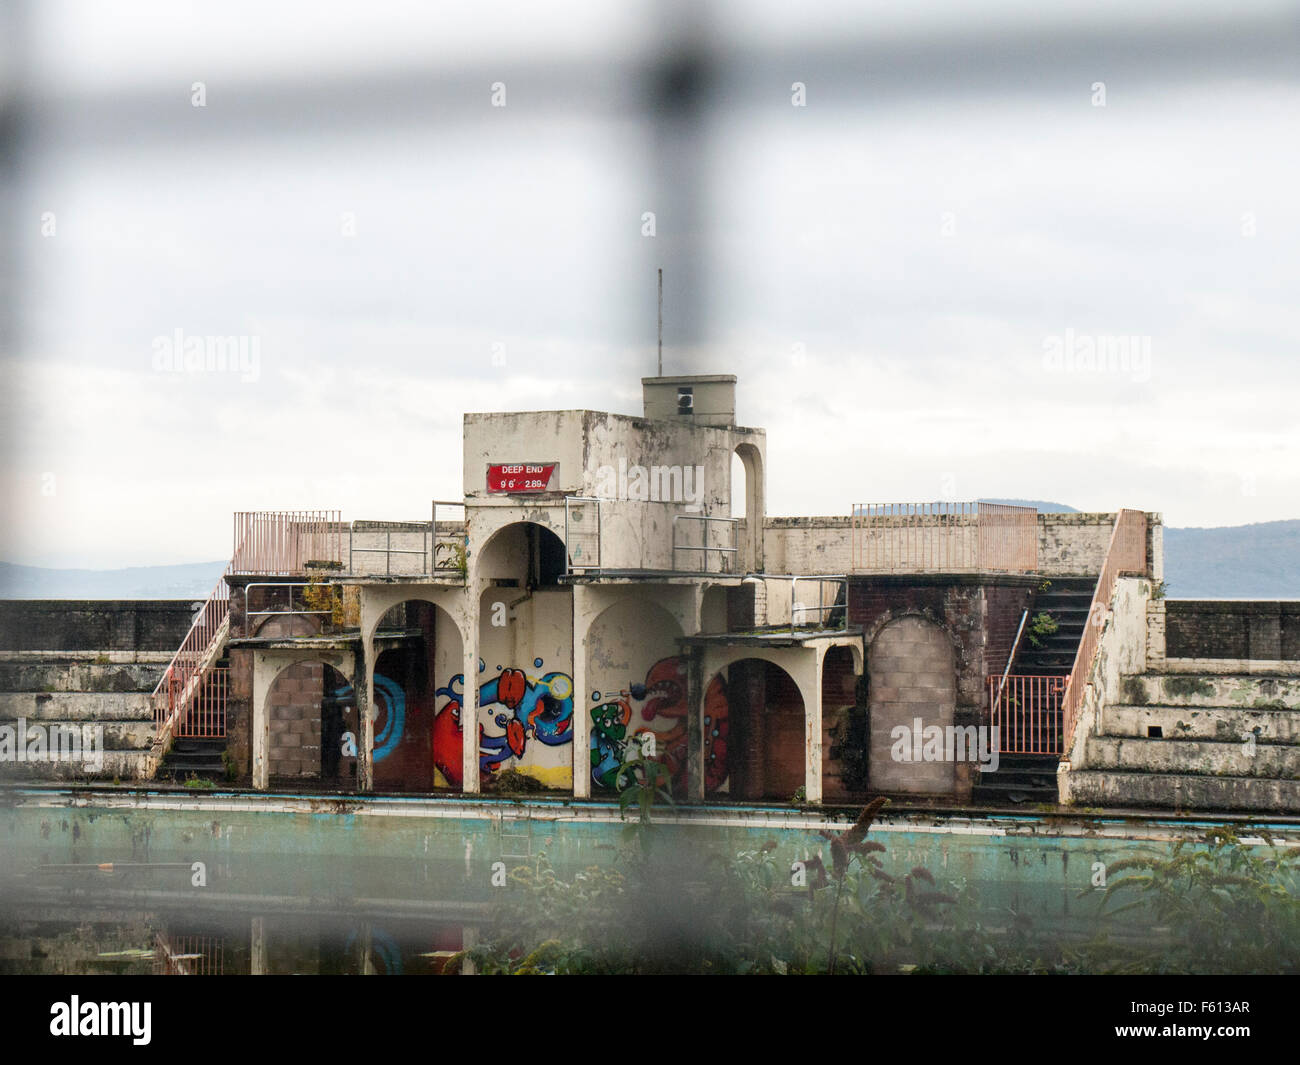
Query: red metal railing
x,y
1027,714
283,543
1008,538
182,679
204,713
943,538
1127,553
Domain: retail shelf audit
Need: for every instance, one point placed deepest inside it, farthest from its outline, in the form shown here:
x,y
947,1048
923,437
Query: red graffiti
x,y
448,744
512,686
515,736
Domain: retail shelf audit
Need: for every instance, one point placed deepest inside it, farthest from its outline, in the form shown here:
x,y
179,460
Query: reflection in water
x,y
34,942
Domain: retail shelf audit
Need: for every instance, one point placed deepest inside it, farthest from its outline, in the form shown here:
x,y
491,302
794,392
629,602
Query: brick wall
x,y
1268,631
95,624
294,706
1004,607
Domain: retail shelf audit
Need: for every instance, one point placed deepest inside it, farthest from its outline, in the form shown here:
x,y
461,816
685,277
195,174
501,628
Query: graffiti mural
x,y
390,707
534,707
663,695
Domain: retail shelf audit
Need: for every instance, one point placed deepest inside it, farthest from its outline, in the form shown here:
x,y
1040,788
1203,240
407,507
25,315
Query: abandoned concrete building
x,y
610,587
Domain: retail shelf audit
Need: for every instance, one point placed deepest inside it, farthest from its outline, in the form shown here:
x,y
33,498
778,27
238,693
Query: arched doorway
x,y
748,504
312,732
758,748
638,693
525,552
416,747
525,684
913,699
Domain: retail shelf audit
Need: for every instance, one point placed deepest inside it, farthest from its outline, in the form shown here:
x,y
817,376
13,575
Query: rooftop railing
x,y
302,543
943,537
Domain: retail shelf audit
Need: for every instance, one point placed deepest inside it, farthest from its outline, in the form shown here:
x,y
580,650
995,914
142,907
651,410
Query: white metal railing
x,y
683,562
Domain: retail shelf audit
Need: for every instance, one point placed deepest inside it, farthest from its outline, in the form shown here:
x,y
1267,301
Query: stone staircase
x,y
1216,741
1031,778
108,692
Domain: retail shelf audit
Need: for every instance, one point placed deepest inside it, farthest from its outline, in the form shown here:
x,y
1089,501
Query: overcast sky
x,y
905,273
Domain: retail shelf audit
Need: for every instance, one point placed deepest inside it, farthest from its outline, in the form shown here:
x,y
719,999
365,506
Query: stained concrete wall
x,y
95,624
597,454
1235,629
89,664
1068,544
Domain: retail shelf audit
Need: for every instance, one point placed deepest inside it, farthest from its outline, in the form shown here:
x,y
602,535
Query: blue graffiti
x,y
395,720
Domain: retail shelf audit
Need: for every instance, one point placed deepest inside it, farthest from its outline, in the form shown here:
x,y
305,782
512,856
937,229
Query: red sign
x,y
520,476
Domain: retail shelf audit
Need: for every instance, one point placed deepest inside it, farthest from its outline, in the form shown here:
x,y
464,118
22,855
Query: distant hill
x,y
1039,505
1259,561
189,580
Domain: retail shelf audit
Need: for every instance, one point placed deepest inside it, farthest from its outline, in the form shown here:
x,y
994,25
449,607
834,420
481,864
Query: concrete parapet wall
x,y
95,624
1267,630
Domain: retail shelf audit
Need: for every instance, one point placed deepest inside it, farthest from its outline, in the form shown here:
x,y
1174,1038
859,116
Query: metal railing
x,y
287,543
189,955
943,537
1026,710
203,715
1127,553
181,680
250,628
408,529
822,609
726,552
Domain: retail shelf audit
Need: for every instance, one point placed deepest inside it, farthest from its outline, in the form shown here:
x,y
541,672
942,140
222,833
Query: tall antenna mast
x,y
661,321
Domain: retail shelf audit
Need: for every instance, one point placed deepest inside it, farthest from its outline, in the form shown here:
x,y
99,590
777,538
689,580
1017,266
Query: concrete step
x,y
123,765
1107,788
1230,690
1224,724
111,735
76,706
78,675
1194,758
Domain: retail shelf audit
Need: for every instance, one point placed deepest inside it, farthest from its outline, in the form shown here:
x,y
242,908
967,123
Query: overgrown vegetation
x,y
318,595
1040,626
1222,906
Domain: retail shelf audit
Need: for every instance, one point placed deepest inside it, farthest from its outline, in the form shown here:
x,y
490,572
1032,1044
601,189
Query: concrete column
x,y
363,684
257,965
694,725
469,699
812,715
261,722
581,699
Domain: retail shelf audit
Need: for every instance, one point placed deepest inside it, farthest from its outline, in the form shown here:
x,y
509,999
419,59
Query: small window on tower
x,y
685,401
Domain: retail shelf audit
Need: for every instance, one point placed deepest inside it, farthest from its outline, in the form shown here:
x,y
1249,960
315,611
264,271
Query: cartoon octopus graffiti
x,y
664,693
539,707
